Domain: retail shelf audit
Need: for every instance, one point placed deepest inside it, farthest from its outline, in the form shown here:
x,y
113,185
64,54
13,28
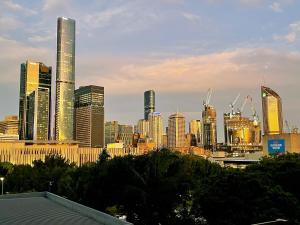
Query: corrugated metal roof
x,y
43,208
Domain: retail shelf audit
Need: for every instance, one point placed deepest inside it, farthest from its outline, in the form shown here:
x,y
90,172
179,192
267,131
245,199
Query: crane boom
x,y
208,96
244,104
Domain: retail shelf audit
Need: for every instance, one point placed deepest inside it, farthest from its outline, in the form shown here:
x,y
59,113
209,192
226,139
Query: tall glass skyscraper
x,y
35,101
89,116
65,79
272,111
149,103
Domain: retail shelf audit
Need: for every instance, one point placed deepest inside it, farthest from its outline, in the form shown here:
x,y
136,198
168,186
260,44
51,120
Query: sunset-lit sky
x,y
179,48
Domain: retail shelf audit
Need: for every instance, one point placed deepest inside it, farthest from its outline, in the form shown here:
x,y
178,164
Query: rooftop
x,y
44,208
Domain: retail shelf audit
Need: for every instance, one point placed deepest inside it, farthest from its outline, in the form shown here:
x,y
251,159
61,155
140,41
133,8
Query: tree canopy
x,y
164,187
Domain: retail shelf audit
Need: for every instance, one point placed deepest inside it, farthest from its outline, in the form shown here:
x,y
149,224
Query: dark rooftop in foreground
x,y
44,208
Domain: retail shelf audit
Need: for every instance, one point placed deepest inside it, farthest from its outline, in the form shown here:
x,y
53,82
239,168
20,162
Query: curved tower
x,y
272,111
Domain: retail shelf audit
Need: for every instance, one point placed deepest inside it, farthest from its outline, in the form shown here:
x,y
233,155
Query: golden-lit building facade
x,y
35,101
195,129
65,79
241,131
156,128
143,128
176,131
272,111
10,125
209,127
111,132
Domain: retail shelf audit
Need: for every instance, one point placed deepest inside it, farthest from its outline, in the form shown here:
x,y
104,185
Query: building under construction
x,y
209,120
242,133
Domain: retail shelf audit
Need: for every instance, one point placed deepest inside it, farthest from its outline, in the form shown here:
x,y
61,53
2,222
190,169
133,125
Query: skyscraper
x,y
35,101
176,131
156,128
149,103
195,131
143,128
89,116
65,79
111,132
272,111
209,120
125,134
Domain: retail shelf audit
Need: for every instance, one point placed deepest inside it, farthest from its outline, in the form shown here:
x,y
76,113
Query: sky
x,y
179,48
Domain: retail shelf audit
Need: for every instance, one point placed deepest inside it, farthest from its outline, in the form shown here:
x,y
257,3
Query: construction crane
x,y
243,104
231,105
287,125
208,96
254,113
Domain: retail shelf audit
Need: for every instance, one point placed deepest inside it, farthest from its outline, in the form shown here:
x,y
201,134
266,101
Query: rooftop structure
x,y
44,208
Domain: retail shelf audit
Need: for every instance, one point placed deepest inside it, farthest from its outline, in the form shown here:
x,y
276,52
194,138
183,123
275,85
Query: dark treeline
x,y
169,188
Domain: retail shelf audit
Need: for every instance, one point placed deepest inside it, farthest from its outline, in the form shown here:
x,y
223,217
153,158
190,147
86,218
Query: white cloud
x,y
104,18
39,38
293,34
9,5
276,7
57,6
191,17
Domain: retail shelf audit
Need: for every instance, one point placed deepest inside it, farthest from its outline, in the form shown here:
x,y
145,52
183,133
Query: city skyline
x,y
274,59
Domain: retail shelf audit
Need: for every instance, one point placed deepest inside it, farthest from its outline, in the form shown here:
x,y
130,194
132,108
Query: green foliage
x,y
165,187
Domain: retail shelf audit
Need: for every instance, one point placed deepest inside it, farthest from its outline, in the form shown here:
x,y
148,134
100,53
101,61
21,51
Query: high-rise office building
x,y
111,132
156,128
176,131
272,111
143,128
195,131
125,134
9,125
89,116
65,79
35,101
149,103
209,120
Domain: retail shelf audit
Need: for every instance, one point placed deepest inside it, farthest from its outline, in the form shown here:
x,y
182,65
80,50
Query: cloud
x,y
191,17
39,38
15,54
9,5
9,23
56,6
104,18
276,7
220,70
292,36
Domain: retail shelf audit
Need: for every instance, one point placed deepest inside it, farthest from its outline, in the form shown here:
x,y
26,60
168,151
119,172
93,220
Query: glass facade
x,y
89,116
209,123
176,131
156,128
111,132
35,101
272,111
149,103
65,79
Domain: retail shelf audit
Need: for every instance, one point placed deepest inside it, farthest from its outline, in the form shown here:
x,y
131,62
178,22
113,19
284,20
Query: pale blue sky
x,y
179,48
